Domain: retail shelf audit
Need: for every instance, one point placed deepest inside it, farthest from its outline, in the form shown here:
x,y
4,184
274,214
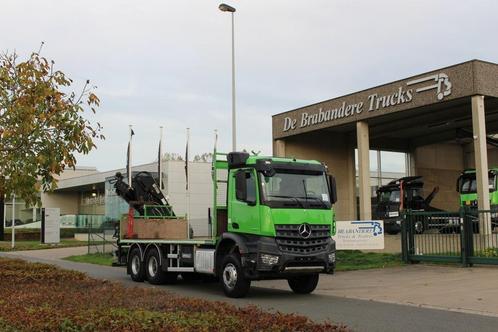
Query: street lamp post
x,y
226,8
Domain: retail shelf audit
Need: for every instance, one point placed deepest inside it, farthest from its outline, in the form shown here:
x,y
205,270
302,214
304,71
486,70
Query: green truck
x,y
272,218
467,188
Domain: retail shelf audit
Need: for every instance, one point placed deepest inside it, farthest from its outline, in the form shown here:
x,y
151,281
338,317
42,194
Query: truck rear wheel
x,y
135,265
155,274
232,277
304,284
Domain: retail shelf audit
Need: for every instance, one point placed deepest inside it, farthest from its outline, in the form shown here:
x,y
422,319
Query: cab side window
x,y
245,186
251,187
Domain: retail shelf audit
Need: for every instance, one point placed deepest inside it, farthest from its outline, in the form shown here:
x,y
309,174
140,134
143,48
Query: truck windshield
x,y
410,194
301,190
389,196
469,184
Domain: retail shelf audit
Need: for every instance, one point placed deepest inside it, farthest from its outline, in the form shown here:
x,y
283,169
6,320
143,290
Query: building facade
x,y
443,120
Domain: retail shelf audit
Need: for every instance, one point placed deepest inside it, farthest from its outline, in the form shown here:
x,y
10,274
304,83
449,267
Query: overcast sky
x,y
168,62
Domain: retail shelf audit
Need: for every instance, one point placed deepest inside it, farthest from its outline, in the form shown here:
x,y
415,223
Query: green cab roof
x,y
253,159
473,170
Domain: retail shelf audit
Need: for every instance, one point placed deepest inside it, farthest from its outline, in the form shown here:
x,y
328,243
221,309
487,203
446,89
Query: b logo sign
x,y
443,85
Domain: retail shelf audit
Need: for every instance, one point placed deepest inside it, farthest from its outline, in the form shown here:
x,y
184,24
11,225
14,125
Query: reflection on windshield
x,y
393,196
469,184
296,188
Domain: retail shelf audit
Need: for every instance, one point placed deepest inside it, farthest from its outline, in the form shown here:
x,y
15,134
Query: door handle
x,y
235,225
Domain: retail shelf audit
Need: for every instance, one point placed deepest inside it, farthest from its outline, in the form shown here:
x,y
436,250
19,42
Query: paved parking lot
x,y
471,290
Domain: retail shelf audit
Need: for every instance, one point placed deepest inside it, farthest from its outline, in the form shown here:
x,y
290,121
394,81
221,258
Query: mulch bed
x,y
41,297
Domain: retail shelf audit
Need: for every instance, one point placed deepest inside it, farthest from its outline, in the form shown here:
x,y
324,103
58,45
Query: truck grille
x,y
290,241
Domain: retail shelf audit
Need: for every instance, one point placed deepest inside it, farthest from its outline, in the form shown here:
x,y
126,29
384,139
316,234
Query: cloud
x,y
168,62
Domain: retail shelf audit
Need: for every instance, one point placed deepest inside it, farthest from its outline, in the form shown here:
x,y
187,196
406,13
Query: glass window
x,y
251,187
285,185
469,184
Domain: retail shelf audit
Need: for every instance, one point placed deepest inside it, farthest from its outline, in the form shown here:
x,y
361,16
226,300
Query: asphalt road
x,y
357,314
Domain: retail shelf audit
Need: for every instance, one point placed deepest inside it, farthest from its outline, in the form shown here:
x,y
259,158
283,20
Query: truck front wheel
x,y
304,284
232,277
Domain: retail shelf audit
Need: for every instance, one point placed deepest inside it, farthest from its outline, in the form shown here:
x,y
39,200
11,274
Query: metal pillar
x,y
481,161
362,137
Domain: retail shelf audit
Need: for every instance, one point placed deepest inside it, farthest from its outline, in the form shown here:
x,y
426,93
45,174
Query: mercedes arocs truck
x,y
271,218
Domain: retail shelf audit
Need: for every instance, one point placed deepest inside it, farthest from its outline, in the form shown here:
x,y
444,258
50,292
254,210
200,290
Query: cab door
x,y
244,202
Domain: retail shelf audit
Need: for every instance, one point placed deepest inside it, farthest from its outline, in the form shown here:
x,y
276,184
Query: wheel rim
x,y
152,266
230,276
135,265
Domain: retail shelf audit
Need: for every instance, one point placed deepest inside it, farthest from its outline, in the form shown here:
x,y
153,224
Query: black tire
x,y
232,277
153,271
136,266
304,284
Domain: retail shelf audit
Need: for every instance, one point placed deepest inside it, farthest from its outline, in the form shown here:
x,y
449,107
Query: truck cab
x,y
280,220
402,194
467,188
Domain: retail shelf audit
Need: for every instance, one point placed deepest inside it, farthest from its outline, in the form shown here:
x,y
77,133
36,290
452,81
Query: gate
x,y
463,237
102,238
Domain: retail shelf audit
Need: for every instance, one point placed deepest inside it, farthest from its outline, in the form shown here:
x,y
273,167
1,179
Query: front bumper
x,y
288,264
392,225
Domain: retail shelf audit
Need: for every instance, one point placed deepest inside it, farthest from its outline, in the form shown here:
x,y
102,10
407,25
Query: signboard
x,y
359,235
404,94
51,225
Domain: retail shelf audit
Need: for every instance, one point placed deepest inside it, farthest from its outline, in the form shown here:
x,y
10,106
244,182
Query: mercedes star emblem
x,y
305,231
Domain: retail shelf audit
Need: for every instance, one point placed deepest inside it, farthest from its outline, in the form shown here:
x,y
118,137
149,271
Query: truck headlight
x,y
268,259
332,257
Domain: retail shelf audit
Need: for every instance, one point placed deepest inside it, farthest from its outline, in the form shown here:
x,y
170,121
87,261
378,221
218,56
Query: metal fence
x,y
102,238
468,236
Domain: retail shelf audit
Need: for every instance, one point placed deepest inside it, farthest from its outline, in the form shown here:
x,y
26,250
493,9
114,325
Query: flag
x,y
128,158
186,160
159,161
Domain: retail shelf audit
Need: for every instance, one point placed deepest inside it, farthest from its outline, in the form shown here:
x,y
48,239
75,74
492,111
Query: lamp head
x,y
226,8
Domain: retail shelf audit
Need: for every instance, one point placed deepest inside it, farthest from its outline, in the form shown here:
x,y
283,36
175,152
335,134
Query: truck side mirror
x,y
458,185
240,186
333,190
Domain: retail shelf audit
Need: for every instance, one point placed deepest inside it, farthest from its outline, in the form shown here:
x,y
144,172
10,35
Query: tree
x,y
42,126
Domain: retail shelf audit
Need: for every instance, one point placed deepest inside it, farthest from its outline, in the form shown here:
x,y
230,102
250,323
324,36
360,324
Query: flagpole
x,y
13,221
187,183
129,158
160,157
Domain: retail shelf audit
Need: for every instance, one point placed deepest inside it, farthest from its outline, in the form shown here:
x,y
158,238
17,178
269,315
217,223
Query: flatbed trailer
x,y
252,236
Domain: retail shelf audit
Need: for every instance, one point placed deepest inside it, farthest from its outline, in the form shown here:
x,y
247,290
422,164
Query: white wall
x,y
200,188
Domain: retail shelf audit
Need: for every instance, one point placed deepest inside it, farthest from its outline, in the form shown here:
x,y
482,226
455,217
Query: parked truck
x,y
271,218
467,188
405,194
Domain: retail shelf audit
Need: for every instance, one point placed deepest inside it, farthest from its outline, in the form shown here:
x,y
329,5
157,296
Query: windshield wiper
x,y
317,199
291,197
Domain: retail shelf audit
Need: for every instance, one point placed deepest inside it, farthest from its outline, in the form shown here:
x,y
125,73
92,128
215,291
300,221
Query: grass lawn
x,y
36,245
41,297
349,260
97,258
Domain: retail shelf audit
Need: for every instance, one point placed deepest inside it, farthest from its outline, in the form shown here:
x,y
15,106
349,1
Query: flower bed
x,y
40,297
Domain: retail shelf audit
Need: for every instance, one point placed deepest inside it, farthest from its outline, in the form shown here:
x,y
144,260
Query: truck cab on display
x,y
272,218
467,188
403,194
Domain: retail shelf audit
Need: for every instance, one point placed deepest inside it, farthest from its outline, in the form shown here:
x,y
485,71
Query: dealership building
x,y
443,121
